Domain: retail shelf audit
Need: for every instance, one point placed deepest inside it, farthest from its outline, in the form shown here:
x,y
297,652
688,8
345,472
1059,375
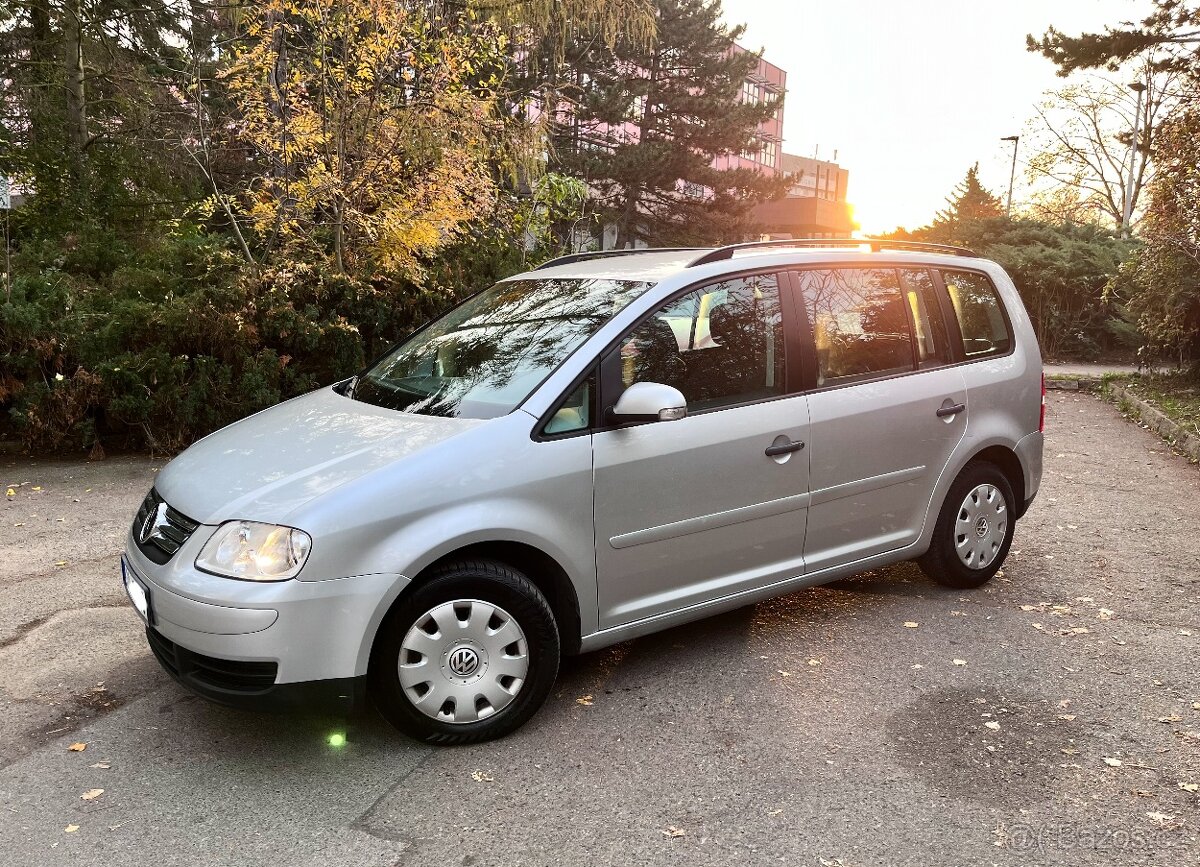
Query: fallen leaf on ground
x,y
911,624
585,700
1170,719
1067,716
1029,607
61,563
1105,614
784,673
1038,626
960,662
482,777
1160,819
104,766
92,794
917,665
36,488
814,662
993,725
77,748
71,829
11,492
1112,763
672,831
1190,787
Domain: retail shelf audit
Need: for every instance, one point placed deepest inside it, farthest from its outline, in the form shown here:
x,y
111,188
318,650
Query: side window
x,y
929,328
575,412
980,317
859,323
719,345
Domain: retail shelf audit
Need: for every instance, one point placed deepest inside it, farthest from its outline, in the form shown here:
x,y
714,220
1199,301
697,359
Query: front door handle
x,y
784,448
954,409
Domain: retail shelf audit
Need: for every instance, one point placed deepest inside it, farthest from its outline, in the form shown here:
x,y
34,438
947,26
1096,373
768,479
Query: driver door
x,y
693,510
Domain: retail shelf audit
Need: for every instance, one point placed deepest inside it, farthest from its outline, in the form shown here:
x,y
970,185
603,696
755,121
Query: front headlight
x,y
255,552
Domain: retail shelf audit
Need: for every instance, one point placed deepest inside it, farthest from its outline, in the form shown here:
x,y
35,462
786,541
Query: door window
x,y
719,345
980,317
859,323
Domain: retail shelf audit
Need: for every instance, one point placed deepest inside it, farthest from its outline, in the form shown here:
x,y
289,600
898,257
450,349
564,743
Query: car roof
x,y
653,265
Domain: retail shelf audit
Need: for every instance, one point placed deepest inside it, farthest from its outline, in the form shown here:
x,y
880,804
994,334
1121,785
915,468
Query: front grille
x,y
224,675
167,532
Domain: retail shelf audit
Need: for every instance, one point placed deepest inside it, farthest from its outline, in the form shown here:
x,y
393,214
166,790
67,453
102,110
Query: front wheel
x,y
468,656
974,529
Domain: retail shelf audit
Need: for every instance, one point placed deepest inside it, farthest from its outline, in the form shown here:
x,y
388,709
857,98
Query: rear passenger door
x,y
886,407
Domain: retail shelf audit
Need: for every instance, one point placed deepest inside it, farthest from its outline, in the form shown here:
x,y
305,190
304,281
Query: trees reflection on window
x,y
719,345
859,323
484,358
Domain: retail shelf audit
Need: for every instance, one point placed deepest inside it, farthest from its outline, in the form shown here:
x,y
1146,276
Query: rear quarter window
x,y
980,314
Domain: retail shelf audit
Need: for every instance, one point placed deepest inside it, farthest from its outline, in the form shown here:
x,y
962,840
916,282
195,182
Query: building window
x,y
750,92
770,153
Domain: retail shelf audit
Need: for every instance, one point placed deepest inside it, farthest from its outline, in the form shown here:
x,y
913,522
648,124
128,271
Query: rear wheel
x,y
468,656
974,529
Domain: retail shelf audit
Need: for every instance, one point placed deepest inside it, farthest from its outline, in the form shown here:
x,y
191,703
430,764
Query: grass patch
x,y
1177,395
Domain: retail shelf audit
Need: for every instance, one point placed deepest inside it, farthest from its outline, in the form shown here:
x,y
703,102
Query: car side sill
x,y
612,635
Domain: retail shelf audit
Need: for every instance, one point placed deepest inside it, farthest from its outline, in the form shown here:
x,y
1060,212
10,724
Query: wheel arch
x,y
1005,460
546,573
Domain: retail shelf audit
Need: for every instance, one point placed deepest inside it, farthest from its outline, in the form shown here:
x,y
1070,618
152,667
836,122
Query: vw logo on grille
x,y
153,521
464,661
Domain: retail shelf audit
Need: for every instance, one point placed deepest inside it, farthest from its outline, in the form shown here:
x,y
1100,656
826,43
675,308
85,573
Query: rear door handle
x,y
951,410
784,448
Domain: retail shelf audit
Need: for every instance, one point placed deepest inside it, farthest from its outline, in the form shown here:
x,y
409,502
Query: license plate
x,y
139,595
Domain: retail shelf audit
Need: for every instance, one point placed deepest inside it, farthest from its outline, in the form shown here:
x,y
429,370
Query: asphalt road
x,y
1051,718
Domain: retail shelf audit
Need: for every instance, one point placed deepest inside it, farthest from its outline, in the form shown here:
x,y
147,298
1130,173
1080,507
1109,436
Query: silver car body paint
x,y
645,540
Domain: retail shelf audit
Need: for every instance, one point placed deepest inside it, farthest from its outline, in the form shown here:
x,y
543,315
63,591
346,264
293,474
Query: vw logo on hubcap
x,y
464,661
981,527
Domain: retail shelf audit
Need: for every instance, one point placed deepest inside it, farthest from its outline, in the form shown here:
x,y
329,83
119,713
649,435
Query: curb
x,y
1082,383
1158,421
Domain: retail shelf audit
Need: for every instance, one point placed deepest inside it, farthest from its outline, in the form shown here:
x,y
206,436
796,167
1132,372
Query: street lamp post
x,y
1127,212
1013,174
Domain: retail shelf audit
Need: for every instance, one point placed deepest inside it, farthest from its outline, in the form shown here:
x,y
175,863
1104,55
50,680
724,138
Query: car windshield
x,y
482,359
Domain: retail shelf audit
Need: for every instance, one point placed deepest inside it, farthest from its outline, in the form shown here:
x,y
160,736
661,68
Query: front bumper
x,y
251,685
249,644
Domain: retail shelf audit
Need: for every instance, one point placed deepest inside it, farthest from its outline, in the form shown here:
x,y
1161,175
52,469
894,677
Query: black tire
x,y
942,562
487,581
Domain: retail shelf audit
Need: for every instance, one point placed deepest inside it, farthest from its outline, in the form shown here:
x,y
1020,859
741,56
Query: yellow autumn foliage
x,y
377,127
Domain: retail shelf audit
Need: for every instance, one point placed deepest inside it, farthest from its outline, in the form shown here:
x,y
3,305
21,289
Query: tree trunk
x,y
77,125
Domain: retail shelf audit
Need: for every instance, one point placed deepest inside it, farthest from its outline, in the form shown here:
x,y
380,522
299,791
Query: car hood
x,y
268,465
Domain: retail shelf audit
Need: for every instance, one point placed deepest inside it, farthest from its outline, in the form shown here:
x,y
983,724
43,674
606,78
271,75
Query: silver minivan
x,y
606,446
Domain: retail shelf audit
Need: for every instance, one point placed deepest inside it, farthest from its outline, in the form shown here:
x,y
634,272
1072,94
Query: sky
x,y
911,94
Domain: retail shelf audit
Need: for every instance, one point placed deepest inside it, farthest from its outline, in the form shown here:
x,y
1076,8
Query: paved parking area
x,y
1051,718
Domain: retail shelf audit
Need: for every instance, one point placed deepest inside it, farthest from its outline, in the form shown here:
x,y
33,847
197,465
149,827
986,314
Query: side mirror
x,y
650,401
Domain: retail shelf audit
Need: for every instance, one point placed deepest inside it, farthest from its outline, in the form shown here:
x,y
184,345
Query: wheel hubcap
x,y
463,661
981,526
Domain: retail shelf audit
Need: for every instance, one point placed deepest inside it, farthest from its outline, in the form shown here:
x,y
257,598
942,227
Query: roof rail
x,y
571,258
876,244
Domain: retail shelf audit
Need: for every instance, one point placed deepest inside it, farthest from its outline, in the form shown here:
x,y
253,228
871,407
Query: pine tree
x,y
970,201
645,124
1170,33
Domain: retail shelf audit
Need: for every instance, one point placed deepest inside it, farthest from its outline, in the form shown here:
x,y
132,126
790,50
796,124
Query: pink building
x,y
766,82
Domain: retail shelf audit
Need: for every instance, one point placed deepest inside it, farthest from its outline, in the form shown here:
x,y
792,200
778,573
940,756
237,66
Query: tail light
x,y
1042,417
